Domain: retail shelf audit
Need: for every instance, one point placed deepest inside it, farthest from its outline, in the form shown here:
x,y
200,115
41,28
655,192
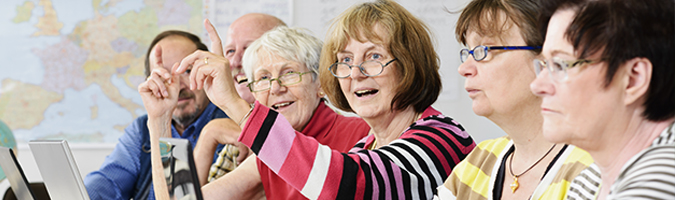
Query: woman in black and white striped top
x,y
607,87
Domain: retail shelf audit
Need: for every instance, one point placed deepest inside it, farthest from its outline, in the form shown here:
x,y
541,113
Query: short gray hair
x,y
294,44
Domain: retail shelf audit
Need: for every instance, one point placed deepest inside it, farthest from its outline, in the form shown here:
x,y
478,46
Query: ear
x,y
639,72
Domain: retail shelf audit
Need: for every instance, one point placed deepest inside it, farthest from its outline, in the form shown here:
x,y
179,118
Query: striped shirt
x,y
651,173
407,168
475,177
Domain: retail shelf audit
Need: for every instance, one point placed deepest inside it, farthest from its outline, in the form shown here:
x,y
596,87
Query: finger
x,y
158,85
216,43
185,63
158,56
174,86
162,73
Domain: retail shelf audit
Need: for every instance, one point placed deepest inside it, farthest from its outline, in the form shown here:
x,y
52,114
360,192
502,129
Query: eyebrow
x,y
371,47
559,51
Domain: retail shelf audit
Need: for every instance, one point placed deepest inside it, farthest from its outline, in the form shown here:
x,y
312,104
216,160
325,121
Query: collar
x,y
317,125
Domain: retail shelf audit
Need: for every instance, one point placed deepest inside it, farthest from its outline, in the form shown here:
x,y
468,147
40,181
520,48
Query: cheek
x,y
262,97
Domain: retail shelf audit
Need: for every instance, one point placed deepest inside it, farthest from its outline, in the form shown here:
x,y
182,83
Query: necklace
x,y
515,185
374,144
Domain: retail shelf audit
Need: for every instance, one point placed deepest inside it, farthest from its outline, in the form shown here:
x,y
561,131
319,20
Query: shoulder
x,y
652,172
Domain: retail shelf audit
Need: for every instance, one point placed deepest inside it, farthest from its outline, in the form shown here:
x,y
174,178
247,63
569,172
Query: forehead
x,y
556,43
269,62
509,34
175,48
239,34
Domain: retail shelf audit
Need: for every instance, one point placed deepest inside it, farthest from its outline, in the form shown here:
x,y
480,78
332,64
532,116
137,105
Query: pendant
x,y
514,185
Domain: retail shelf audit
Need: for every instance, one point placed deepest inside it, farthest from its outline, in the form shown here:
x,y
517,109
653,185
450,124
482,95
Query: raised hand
x,y
211,72
160,90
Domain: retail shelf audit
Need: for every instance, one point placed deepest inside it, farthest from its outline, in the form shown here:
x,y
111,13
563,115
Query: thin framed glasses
x,y
480,52
285,80
557,67
368,68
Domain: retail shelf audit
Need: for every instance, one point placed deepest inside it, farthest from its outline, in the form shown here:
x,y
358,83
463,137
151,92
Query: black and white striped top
x,y
650,174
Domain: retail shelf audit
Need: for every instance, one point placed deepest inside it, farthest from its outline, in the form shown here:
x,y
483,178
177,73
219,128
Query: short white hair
x,y
294,44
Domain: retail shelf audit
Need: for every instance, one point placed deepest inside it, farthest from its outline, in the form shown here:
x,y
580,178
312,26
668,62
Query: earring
x,y
321,94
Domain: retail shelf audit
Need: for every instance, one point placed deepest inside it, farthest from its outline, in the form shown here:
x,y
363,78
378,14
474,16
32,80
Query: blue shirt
x,y
127,172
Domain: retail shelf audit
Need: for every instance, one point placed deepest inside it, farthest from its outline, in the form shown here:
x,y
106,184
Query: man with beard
x,y
126,172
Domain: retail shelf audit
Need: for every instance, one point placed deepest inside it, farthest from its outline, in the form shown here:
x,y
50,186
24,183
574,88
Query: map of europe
x,y
71,67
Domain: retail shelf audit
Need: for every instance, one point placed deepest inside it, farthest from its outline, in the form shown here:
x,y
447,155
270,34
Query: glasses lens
x,y
479,53
538,66
372,68
463,55
340,70
290,78
261,85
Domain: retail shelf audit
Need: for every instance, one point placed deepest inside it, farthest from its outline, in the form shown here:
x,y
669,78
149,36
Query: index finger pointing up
x,y
216,43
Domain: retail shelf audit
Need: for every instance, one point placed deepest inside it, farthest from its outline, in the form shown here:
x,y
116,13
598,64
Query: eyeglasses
x,y
286,79
557,67
369,68
480,52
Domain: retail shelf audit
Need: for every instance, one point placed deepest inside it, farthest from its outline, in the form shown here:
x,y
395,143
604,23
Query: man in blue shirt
x,y
126,172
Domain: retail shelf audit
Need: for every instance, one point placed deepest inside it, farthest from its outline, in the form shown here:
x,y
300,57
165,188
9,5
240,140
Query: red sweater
x,y
328,128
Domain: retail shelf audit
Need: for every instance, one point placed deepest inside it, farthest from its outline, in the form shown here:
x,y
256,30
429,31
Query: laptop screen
x,y
58,169
179,169
17,180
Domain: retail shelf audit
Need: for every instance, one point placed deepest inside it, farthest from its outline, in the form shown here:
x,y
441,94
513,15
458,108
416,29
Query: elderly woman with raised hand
x,y
607,86
283,64
503,41
379,62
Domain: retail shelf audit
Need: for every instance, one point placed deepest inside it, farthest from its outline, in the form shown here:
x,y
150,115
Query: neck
x,y
390,126
524,127
622,143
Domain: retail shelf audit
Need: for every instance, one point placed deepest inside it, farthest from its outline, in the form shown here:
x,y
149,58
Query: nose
x,y
235,61
356,71
542,85
276,88
468,68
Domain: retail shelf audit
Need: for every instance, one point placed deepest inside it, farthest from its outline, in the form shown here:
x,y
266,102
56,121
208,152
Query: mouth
x,y
240,78
364,93
185,95
282,105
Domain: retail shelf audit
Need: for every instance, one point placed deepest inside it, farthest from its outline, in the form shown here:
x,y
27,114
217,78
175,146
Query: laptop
x,y
58,169
179,169
15,176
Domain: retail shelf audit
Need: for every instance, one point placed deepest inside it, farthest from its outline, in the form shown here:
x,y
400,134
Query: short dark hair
x,y
409,41
625,29
165,34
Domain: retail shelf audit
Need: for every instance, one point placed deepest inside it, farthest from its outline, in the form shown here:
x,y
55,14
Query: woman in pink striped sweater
x,y
379,62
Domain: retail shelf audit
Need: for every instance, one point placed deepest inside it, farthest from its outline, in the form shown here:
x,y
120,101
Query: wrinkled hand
x,y
160,90
225,131
210,71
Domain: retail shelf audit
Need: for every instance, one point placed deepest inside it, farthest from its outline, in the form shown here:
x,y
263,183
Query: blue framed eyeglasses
x,y
480,52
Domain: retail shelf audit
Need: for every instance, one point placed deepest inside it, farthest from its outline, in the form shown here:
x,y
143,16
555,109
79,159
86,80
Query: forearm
x,y
235,109
203,155
242,183
158,128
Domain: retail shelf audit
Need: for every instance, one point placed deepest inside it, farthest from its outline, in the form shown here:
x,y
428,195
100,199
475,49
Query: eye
x,y
375,56
229,51
346,60
264,77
